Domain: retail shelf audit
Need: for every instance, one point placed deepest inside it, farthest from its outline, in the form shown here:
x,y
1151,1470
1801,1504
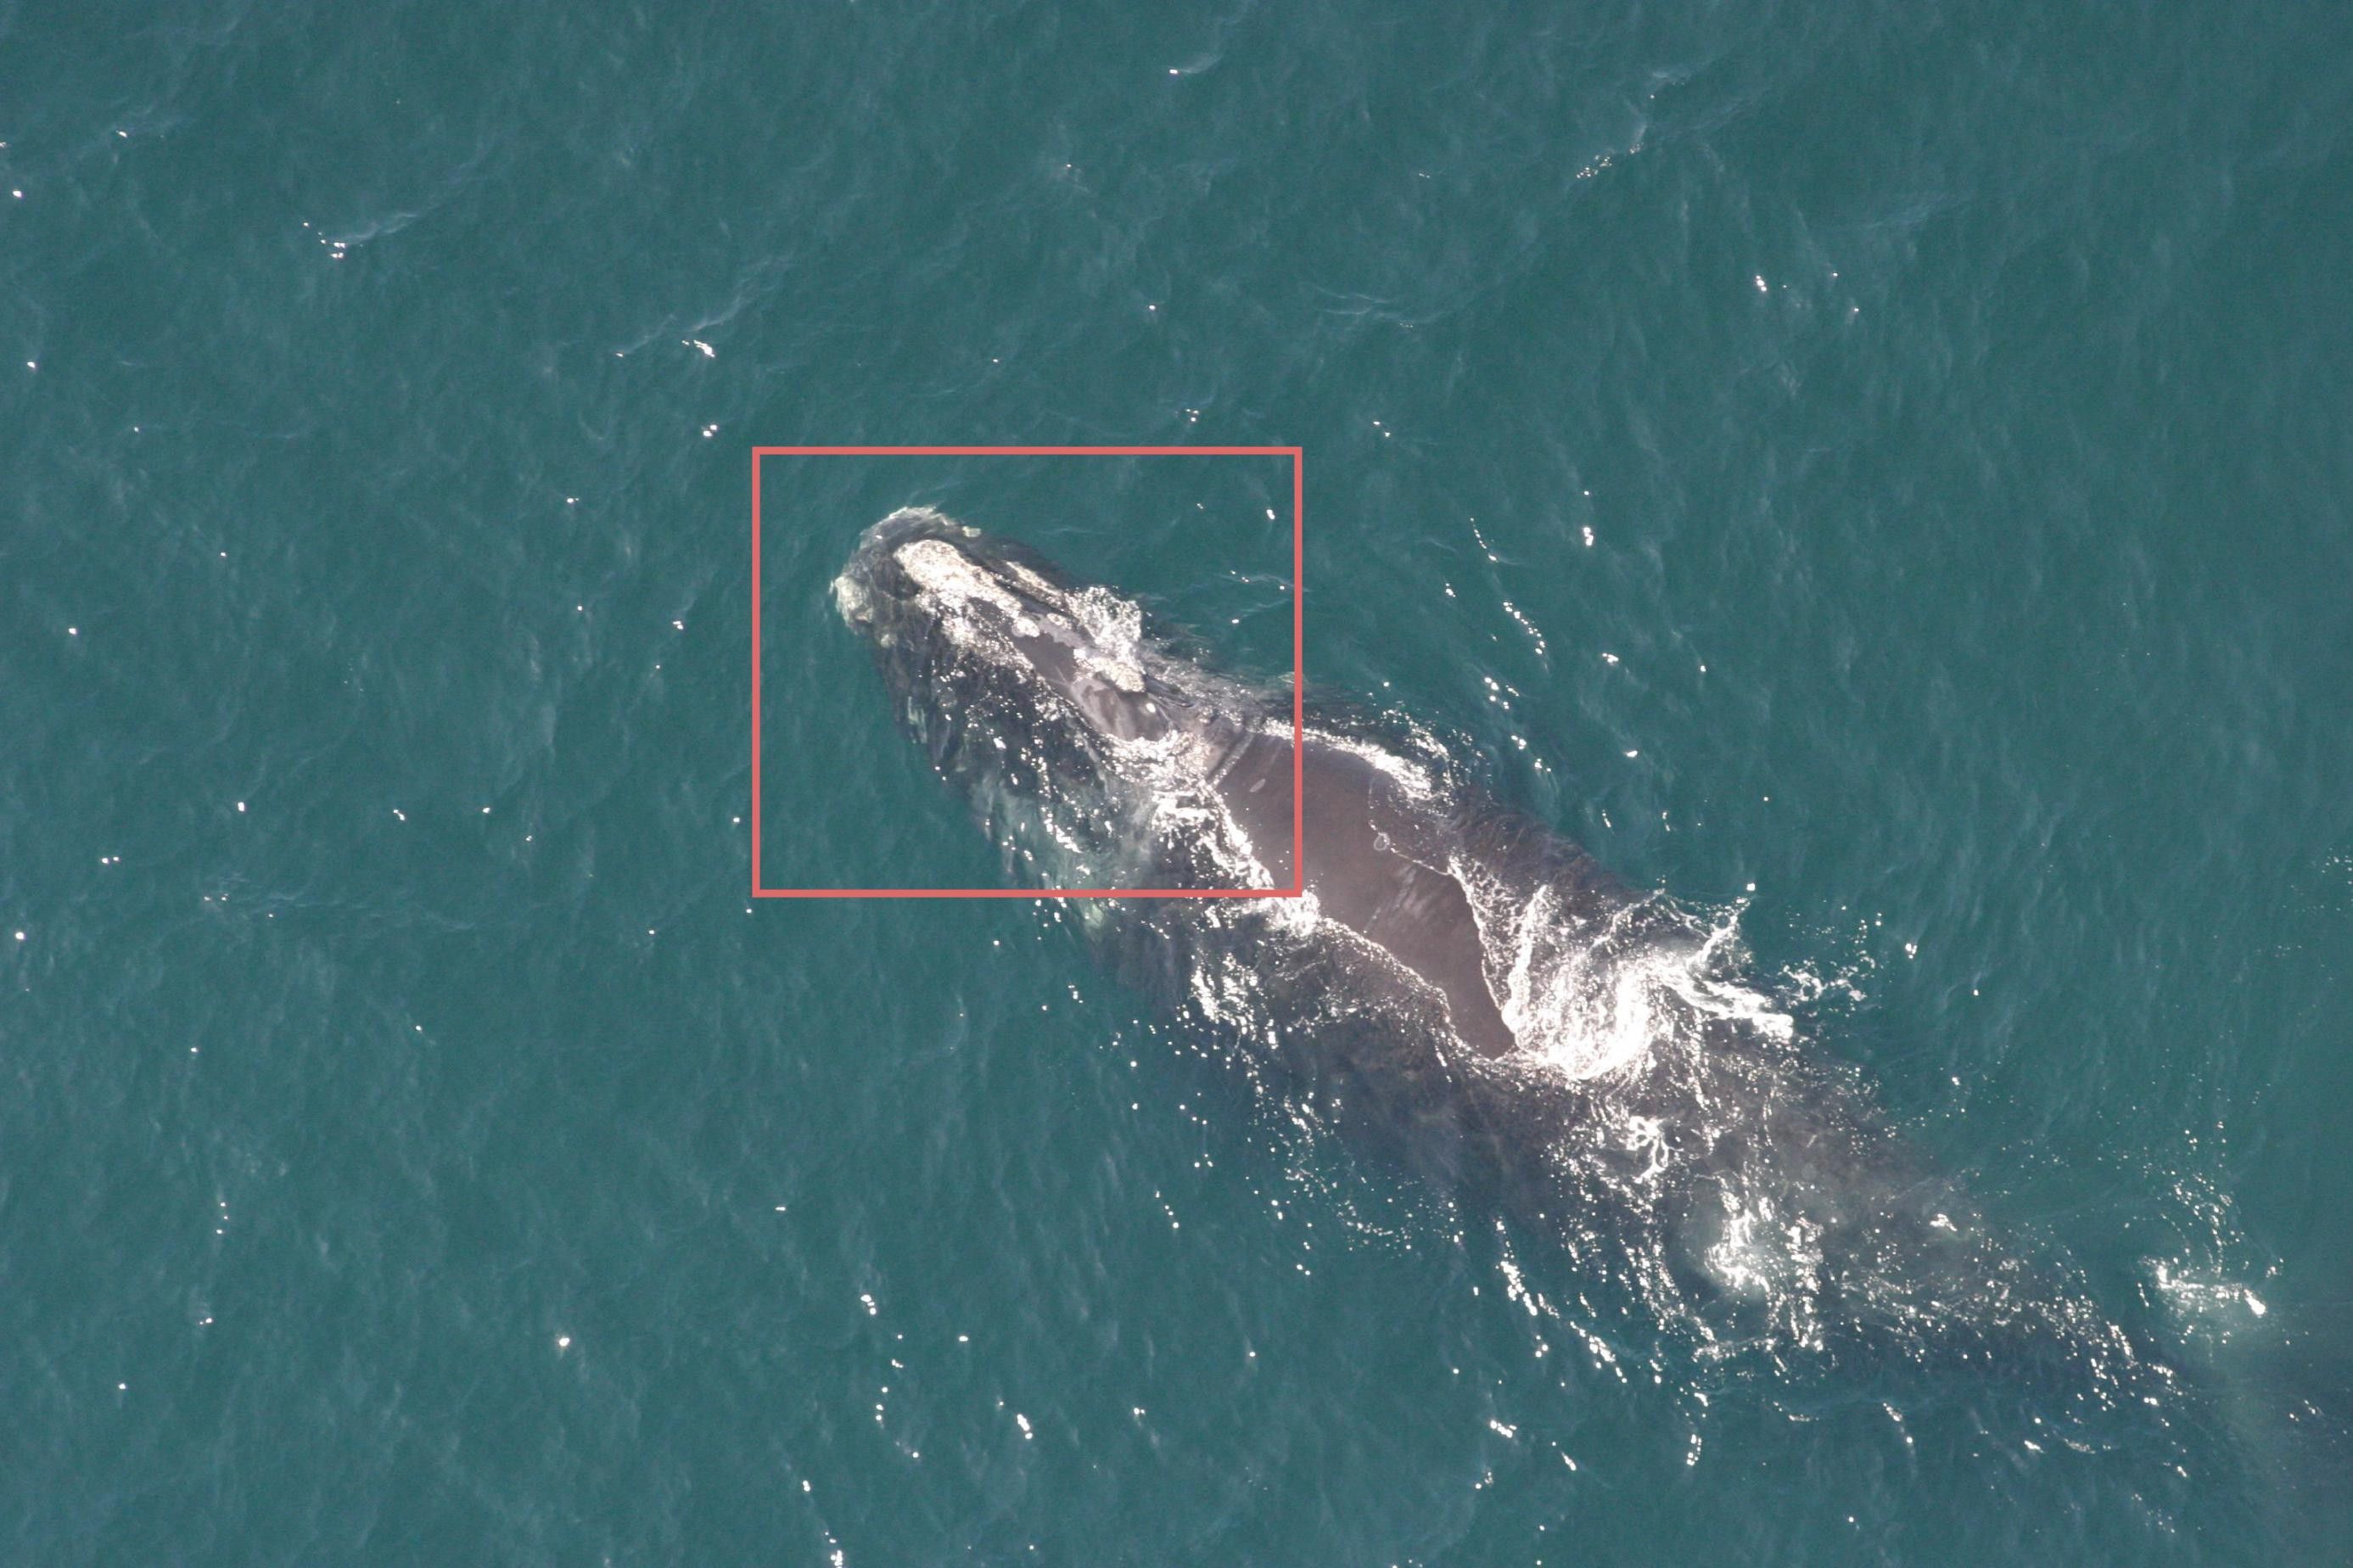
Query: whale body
x,y
1454,980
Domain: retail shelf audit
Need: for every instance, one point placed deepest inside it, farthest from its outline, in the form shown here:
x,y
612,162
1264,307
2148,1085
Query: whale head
x,y
968,628
1040,696
1095,752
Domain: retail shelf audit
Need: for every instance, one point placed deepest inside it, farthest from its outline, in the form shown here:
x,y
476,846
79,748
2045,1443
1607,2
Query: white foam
x,y
1586,1003
1111,632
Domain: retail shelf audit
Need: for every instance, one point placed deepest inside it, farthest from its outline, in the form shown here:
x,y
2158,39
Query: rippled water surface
x,y
1877,474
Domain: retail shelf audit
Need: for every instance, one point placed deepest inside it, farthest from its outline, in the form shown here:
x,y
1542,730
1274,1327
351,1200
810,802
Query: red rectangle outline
x,y
1298,672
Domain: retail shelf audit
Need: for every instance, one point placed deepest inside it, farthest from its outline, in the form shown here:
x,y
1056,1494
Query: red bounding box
x,y
1298,673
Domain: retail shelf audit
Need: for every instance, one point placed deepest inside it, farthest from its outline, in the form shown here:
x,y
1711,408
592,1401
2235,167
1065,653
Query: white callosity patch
x,y
954,582
851,601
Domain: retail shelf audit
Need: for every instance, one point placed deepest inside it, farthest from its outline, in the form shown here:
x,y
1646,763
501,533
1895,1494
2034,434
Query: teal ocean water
x,y
1880,471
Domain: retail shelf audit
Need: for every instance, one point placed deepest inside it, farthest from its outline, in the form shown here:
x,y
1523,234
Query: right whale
x,y
1456,982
